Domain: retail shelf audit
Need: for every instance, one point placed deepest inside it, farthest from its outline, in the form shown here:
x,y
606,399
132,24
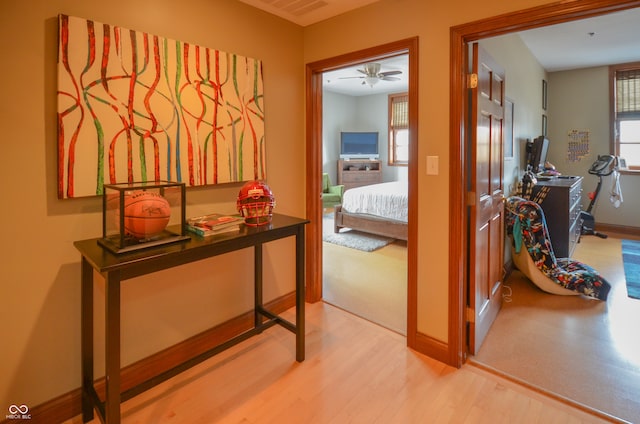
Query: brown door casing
x,y
314,165
461,37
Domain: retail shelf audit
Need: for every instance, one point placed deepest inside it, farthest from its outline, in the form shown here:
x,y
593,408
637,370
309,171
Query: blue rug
x,y
631,261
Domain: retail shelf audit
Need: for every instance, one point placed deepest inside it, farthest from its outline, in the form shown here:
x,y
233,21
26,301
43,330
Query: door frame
x,y
313,175
460,38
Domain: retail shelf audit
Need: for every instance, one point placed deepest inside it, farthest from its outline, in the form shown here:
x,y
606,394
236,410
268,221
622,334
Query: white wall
x,y
356,113
579,99
338,110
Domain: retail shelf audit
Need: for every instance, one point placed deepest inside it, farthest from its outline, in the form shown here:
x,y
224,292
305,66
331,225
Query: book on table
x,y
214,224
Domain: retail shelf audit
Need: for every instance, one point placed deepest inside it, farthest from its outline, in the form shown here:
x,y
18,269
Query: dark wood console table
x,y
116,268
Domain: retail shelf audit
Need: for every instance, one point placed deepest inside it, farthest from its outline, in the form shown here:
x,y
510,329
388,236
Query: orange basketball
x,y
146,214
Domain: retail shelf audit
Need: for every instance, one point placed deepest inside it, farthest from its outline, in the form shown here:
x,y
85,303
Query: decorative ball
x,y
146,214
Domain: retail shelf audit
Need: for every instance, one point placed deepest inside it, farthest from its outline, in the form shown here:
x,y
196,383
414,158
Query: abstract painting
x,y
136,107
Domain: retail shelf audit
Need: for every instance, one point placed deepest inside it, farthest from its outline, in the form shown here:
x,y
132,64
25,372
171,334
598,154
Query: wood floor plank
x,y
581,349
355,372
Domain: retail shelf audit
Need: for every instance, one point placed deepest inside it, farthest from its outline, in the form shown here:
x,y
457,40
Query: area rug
x,y
351,238
631,261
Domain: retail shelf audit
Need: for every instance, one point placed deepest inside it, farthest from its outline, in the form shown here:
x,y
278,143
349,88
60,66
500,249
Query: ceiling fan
x,y
371,74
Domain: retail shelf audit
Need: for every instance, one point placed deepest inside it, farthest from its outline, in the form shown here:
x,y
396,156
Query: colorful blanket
x,y
526,224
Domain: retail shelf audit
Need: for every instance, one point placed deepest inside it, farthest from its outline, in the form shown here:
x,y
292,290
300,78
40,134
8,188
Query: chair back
x,y
326,182
526,223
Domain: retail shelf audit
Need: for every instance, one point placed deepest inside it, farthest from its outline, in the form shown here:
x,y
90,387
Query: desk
x,y
116,268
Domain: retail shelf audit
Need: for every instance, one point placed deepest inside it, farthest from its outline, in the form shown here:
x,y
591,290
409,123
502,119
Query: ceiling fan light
x,y
371,81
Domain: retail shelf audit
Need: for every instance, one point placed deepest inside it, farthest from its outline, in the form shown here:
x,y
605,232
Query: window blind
x,y
400,112
628,94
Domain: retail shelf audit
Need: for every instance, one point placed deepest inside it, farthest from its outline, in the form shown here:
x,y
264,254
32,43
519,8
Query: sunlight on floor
x,y
623,312
580,349
624,319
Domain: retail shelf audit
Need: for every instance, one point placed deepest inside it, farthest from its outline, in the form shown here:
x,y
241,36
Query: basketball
x,y
146,214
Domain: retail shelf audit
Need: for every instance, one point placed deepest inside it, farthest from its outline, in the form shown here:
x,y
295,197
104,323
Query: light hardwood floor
x,y
372,285
584,350
354,372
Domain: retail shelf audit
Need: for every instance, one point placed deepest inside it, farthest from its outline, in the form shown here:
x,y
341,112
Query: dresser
x,y
560,198
359,172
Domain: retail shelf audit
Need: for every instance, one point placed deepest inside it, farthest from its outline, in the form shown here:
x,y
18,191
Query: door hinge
x,y
471,198
472,81
471,315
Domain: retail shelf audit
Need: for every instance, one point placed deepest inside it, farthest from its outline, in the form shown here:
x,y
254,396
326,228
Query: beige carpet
x,y
372,285
585,350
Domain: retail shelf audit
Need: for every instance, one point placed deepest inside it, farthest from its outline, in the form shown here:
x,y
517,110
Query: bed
x,y
380,209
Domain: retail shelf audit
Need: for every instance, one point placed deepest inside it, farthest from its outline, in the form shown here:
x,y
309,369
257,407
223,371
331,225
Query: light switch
x,y
432,165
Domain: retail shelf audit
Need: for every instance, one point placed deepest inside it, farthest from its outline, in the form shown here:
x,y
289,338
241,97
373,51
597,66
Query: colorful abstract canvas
x,y
136,107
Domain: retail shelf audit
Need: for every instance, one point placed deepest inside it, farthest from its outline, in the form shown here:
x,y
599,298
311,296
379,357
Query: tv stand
x,y
359,172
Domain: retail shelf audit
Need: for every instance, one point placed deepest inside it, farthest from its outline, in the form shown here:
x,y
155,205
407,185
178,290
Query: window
x,y
625,84
399,129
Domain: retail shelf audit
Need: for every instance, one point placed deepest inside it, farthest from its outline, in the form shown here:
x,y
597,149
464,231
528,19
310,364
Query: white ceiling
x,y
603,40
342,80
307,12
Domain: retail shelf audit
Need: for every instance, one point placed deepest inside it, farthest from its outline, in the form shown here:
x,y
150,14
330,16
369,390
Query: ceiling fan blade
x,y
351,77
388,73
390,79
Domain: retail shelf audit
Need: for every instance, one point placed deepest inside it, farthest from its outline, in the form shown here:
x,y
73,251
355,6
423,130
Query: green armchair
x,y
331,194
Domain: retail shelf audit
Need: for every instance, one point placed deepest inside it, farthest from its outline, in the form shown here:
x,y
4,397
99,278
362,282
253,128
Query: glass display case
x,y
142,215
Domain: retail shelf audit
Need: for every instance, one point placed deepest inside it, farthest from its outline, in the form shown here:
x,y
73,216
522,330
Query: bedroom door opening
x,y
461,37
364,272
358,269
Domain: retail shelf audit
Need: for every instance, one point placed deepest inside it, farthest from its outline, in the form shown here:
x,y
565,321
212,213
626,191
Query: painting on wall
x,y
136,107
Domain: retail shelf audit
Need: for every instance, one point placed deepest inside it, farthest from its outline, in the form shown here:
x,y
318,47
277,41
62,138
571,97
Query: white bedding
x,y
387,200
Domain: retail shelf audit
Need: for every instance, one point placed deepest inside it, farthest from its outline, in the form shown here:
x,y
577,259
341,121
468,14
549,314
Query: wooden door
x,y
486,223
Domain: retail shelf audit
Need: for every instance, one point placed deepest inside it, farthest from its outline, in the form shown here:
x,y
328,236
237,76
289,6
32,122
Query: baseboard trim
x,y
547,393
619,230
69,405
431,347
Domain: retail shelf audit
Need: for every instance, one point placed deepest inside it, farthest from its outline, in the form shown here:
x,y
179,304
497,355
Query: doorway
x,y
461,37
314,72
363,272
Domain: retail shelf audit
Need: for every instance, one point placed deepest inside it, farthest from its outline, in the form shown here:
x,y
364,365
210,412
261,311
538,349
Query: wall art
x,y
137,107
578,144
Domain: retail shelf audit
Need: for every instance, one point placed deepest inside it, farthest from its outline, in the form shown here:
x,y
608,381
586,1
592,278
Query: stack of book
x,y
214,223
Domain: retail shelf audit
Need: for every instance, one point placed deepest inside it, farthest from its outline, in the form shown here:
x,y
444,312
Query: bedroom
x,y
375,289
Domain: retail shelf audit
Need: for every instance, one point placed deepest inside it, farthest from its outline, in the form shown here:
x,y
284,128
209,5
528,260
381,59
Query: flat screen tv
x,y
537,154
358,145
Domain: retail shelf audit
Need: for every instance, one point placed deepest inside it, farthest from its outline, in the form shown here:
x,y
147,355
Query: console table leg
x,y
300,295
257,263
112,348
86,337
